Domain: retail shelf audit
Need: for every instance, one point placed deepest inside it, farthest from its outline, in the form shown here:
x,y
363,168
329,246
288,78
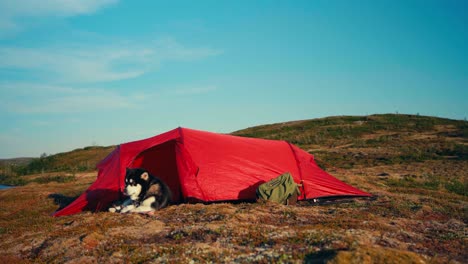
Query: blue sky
x,y
101,72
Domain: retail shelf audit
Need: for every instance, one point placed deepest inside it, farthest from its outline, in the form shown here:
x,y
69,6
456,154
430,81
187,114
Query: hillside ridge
x,y
425,138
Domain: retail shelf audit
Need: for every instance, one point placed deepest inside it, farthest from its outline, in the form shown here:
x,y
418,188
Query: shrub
x,y
59,179
457,187
12,180
432,182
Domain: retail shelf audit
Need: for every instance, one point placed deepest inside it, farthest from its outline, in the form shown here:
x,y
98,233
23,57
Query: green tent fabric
x,y
278,189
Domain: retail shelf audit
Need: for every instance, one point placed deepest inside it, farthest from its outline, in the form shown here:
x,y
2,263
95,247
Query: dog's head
x,y
136,181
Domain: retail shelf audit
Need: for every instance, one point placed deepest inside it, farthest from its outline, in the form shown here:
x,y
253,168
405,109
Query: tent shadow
x,y
320,257
61,200
101,199
244,196
250,191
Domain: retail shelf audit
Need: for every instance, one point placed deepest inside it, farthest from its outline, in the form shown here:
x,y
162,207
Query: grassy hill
x,y
78,160
84,159
340,141
59,167
415,165
347,141
15,162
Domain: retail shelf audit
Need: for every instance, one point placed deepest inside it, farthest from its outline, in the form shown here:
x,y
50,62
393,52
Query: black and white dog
x,y
145,193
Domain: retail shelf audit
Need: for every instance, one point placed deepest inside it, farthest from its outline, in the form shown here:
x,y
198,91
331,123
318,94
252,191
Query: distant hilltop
x,y
16,161
343,141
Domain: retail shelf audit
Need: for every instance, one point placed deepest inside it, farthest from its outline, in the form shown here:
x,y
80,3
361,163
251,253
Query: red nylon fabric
x,y
205,166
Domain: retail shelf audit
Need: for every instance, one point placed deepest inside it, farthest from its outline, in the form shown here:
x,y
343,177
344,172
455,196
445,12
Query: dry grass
x,y
404,224
420,215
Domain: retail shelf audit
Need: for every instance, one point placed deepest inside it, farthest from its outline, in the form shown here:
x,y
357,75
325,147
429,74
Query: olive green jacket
x,y
278,189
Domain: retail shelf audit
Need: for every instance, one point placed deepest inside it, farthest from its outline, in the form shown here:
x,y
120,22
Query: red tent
x,y
207,167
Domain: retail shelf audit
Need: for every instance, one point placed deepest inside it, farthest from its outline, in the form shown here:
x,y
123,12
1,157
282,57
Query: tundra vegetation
x,y
416,166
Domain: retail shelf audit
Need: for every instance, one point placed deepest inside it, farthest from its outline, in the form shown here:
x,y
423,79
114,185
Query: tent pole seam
x,y
120,181
299,167
181,132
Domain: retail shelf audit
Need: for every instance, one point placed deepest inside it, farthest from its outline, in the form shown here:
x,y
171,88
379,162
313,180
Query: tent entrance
x,y
161,162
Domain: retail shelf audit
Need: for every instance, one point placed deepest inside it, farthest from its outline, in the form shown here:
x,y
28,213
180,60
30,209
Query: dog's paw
x,y
151,213
115,209
142,210
127,209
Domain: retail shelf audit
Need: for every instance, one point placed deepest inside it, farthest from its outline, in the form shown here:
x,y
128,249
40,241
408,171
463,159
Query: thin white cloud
x,y
195,90
171,49
80,63
73,65
12,11
28,98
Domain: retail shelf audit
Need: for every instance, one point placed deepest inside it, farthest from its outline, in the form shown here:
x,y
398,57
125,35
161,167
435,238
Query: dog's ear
x,y
145,176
